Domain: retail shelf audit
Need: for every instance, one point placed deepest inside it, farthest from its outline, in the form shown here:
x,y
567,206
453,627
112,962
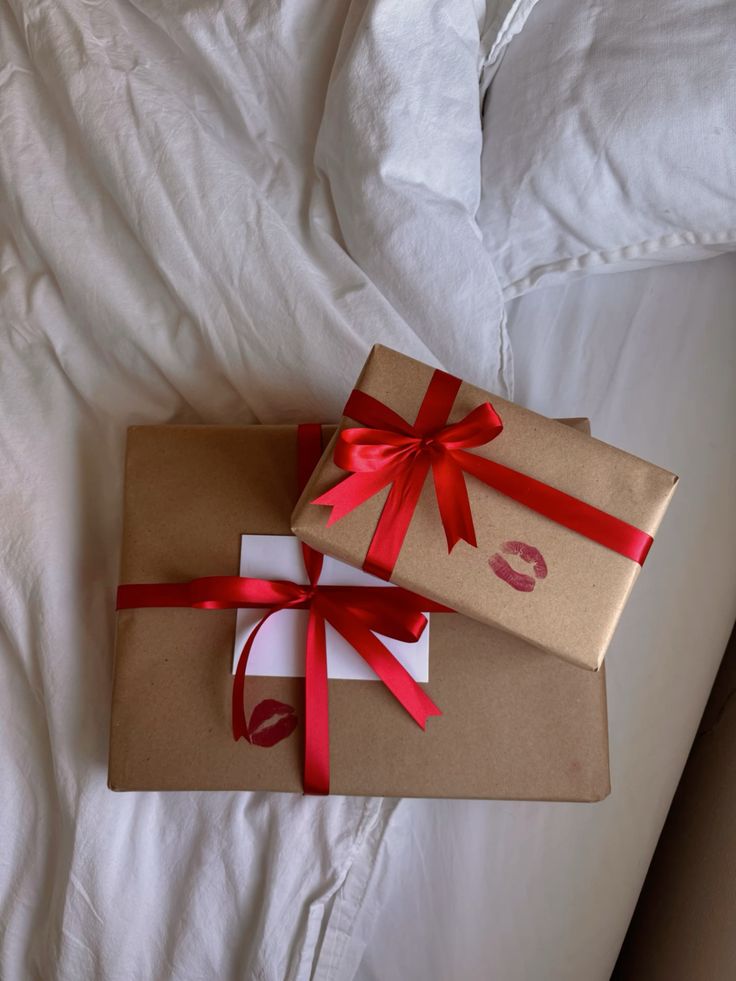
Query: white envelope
x,y
279,647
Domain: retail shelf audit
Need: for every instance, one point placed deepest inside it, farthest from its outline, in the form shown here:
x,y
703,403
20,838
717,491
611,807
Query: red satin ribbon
x,y
356,612
388,450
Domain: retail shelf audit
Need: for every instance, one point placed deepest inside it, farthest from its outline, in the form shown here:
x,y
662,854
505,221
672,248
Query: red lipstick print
x,y
270,722
519,580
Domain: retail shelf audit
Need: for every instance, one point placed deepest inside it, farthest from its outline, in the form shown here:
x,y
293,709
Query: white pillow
x,y
610,139
398,153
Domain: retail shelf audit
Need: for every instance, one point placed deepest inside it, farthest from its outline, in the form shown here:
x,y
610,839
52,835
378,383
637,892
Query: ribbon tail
x,y
316,714
453,502
352,491
410,695
240,723
395,519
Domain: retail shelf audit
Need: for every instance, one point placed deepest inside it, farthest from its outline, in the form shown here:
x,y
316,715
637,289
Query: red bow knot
x,y
389,450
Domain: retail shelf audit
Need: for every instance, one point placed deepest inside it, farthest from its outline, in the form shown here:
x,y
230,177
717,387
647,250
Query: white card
x,y
279,647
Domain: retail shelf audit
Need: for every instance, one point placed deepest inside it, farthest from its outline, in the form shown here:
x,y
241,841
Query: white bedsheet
x,y
172,248
544,892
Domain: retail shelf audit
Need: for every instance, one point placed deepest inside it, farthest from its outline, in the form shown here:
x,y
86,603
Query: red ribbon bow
x,y
390,451
354,611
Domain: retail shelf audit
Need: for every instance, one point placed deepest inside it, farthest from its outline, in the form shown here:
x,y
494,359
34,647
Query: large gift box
x,y
515,723
504,515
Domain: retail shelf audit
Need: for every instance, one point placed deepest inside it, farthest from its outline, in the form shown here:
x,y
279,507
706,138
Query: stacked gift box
x,y
436,628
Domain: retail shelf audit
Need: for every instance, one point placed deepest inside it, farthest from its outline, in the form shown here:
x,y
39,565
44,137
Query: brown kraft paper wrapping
x,y
516,724
571,612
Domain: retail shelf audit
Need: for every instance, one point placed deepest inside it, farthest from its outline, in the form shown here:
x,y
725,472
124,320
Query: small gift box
x,y
504,515
209,570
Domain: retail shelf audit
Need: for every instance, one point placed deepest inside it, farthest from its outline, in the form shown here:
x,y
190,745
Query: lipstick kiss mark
x,y
270,722
519,580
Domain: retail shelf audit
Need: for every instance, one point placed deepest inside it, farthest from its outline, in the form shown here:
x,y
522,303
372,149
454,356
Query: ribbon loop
x,y
368,450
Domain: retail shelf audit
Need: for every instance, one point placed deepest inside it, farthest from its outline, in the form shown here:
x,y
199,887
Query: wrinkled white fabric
x,y
524,891
405,183
170,253
609,140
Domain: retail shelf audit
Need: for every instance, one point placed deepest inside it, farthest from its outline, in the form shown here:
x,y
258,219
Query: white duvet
x,y
204,218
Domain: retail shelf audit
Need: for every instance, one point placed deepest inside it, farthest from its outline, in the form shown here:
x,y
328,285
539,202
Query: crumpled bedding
x,y
209,210
521,891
